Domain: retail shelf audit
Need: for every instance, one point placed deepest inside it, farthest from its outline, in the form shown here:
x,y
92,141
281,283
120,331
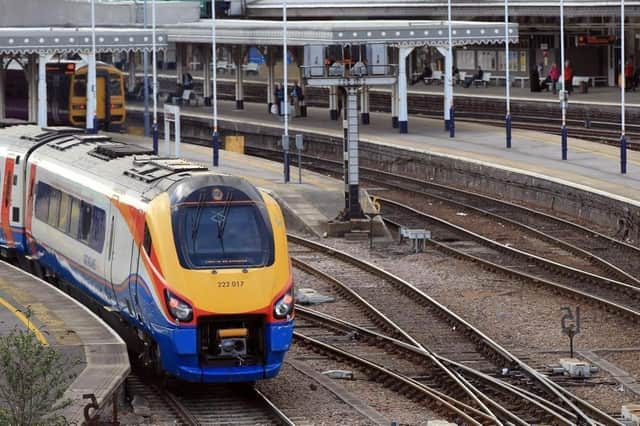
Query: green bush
x,y
33,379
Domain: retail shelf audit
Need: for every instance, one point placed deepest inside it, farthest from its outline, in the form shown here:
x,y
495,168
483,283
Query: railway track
x,y
495,397
603,255
409,309
611,295
200,404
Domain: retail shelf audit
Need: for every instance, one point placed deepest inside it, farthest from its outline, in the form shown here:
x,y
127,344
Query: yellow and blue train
x,y
193,264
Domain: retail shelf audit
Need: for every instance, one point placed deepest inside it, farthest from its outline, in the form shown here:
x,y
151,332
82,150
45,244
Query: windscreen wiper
x,y
225,212
196,222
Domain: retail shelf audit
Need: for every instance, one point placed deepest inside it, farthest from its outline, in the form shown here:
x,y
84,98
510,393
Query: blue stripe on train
x,y
178,345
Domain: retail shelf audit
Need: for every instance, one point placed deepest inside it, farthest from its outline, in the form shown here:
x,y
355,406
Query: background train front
x,y
67,94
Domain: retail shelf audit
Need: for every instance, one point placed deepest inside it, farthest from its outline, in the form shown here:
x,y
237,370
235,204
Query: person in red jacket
x,y
552,77
568,76
629,83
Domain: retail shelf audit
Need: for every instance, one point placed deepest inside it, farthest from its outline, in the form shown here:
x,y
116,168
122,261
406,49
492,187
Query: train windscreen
x,y
220,227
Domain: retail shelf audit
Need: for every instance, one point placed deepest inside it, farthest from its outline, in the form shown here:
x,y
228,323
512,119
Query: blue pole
x,y
564,142
154,136
286,166
508,123
452,123
623,154
447,125
216,148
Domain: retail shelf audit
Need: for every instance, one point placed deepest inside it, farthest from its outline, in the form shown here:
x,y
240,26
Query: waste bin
x,y
584,87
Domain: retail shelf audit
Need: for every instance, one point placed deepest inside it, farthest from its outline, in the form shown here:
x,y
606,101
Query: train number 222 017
x,y
235,284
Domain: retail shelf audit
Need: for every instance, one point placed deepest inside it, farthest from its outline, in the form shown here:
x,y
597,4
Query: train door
x,y
122,259
9,180
101,98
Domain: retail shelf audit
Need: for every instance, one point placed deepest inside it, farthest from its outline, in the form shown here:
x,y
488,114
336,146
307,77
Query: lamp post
x,y
155,76
449,72
507,72
214,59
563,95
91,119
145,82
285,137
623,139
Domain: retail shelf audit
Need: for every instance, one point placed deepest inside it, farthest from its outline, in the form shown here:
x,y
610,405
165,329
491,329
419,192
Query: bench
x,y
485,80
521,79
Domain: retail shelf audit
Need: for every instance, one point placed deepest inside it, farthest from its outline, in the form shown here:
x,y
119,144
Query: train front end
x,y
218,252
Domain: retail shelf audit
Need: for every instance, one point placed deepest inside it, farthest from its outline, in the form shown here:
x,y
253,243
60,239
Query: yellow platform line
x,y
22,317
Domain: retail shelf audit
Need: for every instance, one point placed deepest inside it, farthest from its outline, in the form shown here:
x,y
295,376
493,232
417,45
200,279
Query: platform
x,y
63,323
591,166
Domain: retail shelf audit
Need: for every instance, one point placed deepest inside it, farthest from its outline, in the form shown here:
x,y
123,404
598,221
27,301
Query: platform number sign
x,y
570,324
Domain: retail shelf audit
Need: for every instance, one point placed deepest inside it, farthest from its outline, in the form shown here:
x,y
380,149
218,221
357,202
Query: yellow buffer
x,y
234,144
232,332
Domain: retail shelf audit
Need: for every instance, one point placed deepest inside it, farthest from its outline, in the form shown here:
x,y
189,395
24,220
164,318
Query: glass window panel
x,y
85,221
74,222
54,207
96,235
65,210
42,201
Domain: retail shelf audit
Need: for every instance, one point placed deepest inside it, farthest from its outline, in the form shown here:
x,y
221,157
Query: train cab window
x,y
54,207
115,86
74,220
80,85
65,210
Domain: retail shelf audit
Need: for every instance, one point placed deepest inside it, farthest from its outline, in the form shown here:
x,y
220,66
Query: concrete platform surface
x,y
590,166
62,322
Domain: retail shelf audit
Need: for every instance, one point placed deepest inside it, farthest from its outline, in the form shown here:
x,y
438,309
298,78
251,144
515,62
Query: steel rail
x,y
387,323
498,350
277,412
387,179
617,286
457,407
424,354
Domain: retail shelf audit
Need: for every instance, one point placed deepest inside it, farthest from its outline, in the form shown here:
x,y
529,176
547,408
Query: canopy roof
x,y
300,33
52,40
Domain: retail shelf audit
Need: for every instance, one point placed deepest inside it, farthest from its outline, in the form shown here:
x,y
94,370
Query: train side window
x,y
65,210
85,221
147,243
74,221
98,229
54,207
80,85
42,201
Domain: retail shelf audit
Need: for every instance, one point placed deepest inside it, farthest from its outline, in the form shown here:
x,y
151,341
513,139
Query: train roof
x,y
126,168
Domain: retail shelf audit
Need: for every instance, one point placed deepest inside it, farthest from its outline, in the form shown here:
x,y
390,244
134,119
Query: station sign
x,y
598,40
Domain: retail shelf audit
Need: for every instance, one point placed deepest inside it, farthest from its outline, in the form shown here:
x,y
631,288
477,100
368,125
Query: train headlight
x,y
284,306
178,308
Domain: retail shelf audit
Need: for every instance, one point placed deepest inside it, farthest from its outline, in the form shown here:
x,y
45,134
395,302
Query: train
x,y
67,94
191,266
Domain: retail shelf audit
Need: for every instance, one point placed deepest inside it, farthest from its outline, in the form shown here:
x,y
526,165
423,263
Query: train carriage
x,y
193,264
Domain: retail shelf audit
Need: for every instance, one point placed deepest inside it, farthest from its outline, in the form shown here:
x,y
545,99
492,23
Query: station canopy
x,y
301,33
52,40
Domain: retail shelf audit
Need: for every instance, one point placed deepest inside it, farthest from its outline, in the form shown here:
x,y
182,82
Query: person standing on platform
x,y
568,77
279,95
628,77
552,77
296,98
534,79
